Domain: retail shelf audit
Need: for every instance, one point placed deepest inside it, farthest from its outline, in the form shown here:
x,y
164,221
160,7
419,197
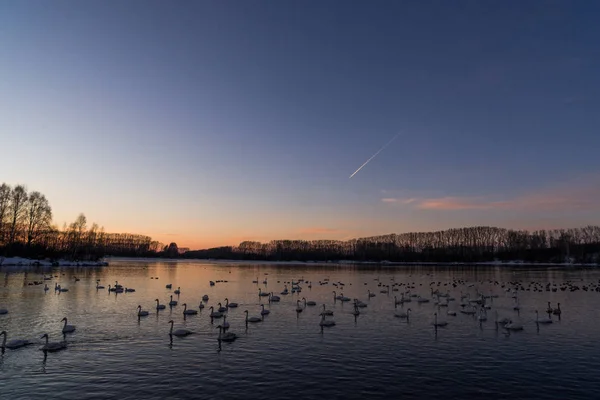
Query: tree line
x,y
27,230
472,244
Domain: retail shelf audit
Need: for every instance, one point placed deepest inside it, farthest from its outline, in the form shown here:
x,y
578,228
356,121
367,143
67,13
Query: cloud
x,y
579,197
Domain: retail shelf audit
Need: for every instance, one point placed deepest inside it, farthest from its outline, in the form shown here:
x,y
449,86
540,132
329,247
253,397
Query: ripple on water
x,y
113,354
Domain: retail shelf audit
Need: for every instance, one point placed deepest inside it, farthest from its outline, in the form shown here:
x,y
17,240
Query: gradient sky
x,y
211,122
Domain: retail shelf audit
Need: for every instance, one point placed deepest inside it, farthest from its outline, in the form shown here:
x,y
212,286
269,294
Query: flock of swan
x,y
475,305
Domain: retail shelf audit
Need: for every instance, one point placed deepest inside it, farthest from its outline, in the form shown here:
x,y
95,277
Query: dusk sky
x,y
212,122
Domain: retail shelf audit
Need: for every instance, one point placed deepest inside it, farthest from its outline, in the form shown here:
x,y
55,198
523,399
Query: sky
x,y
207,123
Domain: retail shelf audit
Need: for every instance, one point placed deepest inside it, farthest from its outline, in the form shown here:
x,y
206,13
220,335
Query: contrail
x,y
375,155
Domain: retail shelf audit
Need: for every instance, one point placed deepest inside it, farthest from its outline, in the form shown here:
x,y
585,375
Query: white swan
x,y
326,322
67,328
513,326
52,346
13,344
440,323
274,298
299,308
215,314
261,293
172,302
221,308
403,315
179,332
225,324
371,294
263,311
326,312
141,313
99,286
422,300
188,312
226,337
309,302
230,305
543,320
252,319
160,306
557,310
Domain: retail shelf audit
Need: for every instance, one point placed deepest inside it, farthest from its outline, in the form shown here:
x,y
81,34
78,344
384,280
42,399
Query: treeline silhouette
x,y
473,244
26,230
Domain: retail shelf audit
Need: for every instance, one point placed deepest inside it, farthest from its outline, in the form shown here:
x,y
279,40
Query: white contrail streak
x,y
375,155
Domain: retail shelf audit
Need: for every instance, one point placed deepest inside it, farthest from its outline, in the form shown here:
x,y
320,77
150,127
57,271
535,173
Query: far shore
x,y
373,263
26,262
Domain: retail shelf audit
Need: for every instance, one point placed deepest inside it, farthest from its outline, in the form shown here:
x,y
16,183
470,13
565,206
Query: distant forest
x,y
473,244
26,230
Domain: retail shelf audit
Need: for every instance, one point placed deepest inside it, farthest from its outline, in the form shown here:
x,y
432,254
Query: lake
x,y
113,353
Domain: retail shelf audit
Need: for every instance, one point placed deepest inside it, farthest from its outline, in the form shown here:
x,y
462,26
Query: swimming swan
x,y
179,332
67,328
52,346
13,344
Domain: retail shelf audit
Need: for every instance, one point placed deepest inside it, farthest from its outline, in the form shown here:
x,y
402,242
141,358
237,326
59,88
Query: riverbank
x,y
25,262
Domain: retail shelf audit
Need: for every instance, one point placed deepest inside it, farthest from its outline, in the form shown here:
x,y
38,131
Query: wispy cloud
x,y
579,197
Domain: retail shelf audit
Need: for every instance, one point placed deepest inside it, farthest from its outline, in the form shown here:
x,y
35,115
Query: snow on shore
x,y
25,262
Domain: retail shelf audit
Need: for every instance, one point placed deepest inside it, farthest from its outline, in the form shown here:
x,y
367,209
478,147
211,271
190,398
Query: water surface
x,y
375,355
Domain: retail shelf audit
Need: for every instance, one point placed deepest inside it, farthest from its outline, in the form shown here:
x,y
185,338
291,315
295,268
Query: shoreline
x,y
26,262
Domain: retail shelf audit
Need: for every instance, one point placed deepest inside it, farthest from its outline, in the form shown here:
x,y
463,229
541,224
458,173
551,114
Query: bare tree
x,y
5,192
18,202
38,214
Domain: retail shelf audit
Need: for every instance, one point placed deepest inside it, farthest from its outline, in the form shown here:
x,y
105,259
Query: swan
x,y
3,311
403,315
263,311
225,324
159,306
256,280
356,312
343,298
169,286
557,310
205,297
451,313
309,303
285,290
261,293
422,300
502,321
179,332
230,305
172,302
543,320
13,344
513,326
128,290
211,283
215,314
117,286
359,303
178,290
274,298
201,305
326,312
371,294
52,346
326,322
188,312
550,309
299,308
46,288
221,308
225,337
99,286
440,323
142,313
252,319
67,328
482,315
